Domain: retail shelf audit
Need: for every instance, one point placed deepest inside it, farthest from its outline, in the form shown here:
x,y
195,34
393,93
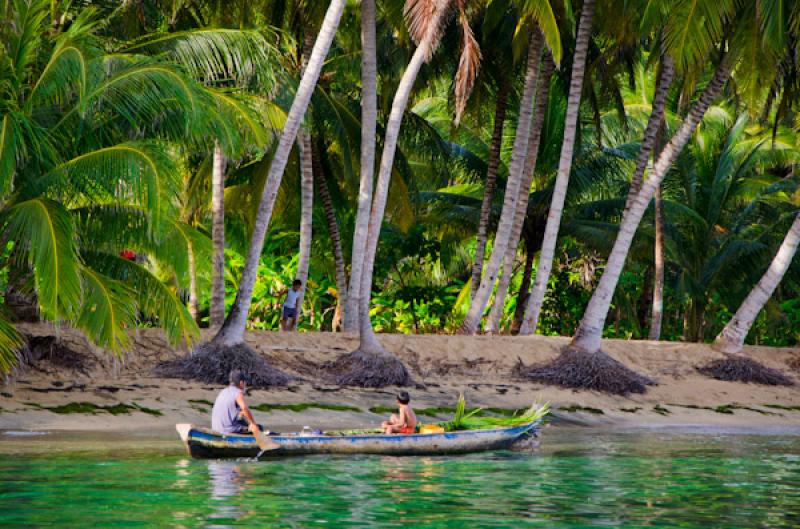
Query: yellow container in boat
x,y
431,428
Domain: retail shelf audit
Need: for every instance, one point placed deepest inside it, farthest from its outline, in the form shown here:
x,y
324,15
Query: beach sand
x,y
130,398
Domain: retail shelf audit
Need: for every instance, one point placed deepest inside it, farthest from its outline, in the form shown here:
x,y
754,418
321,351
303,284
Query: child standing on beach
x,y
290,308
405,421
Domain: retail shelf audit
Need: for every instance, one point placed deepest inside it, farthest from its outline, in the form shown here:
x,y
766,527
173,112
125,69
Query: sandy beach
x,y
94,391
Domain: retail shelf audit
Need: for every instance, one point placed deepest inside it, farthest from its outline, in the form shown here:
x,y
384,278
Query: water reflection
x,y
226,484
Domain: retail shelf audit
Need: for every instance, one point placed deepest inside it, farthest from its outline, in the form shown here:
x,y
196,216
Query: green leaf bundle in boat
x,y
472,420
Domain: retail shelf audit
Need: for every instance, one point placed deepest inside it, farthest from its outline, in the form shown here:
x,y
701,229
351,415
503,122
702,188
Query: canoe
x,y
204,443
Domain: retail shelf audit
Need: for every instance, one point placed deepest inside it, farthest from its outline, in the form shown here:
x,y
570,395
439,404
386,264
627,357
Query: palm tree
x,y
517,166
371,365
231,335
542,99
731,339
77,190
547,253
369,115
217,309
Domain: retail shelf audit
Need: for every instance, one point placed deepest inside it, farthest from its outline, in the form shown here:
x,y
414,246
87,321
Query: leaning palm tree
x,y
583,364
228,349
731,339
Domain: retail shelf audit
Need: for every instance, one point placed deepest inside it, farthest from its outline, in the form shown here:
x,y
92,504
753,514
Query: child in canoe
x,y
405,421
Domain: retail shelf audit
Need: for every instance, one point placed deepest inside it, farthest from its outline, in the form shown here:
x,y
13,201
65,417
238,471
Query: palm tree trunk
x,y
333,231
194,309
306,215
491,180
731,339
654,122
657,314
587,337
369,343
547,253
515,176
542,95
369,113
232,331
217,309
524,289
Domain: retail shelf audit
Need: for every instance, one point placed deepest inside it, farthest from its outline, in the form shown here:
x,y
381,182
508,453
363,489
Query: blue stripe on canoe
x,y
249,440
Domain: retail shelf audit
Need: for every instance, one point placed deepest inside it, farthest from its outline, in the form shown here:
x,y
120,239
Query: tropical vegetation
x,y
593,168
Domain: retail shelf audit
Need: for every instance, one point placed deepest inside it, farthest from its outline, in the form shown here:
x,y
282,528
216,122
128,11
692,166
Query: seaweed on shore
x,y
585,409
303,406
92,408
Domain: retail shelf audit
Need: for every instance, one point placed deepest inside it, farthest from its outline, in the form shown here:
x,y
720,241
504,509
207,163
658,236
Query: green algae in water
x,y
725,409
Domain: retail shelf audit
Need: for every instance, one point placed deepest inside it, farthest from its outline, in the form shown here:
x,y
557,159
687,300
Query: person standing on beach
x,y
290,308
230,413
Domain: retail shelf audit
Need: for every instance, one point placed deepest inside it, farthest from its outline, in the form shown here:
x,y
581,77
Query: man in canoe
x,y
230,413
405,421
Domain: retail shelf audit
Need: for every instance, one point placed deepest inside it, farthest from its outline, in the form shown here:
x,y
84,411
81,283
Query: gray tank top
x,y
225,411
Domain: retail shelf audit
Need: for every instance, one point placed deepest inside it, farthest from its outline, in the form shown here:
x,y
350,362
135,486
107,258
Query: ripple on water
x,y
578,479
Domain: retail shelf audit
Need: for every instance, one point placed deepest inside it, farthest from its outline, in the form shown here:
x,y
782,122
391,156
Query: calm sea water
x,y
577,478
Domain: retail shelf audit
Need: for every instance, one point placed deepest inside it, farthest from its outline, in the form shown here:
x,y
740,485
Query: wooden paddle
x,y
264,442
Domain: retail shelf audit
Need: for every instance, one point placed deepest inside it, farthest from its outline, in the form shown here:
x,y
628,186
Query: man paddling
x,y
230,413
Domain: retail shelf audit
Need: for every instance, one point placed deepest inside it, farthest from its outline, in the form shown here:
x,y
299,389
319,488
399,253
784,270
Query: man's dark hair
x,y
297,283
237,376
403,397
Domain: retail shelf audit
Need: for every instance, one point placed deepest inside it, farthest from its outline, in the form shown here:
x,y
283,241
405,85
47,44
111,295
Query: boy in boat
x,y
230,413
290,308
405,421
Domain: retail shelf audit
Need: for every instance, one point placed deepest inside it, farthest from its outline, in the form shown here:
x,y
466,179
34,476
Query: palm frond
x,y
155,299
108,309
10,342
140,173
43,229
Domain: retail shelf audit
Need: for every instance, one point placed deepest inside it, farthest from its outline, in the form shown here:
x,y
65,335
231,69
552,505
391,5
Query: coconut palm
x,y
542,99
230,337
78,190
731,339
547,252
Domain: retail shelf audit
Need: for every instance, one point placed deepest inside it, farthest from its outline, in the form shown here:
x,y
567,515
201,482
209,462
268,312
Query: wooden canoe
x,y
207,444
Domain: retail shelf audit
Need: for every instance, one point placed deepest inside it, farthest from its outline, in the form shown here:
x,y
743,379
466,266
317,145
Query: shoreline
x,y
99,393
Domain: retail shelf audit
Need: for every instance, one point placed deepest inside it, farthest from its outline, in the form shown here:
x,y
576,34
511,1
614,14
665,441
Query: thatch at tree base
x,y
368,370
738,368
580,370
53,350
212,363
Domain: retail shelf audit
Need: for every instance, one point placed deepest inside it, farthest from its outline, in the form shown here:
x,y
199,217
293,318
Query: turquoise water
x,y
577,478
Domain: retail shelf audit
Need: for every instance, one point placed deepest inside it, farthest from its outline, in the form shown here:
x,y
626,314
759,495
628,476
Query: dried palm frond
x,y
420,14
468,64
